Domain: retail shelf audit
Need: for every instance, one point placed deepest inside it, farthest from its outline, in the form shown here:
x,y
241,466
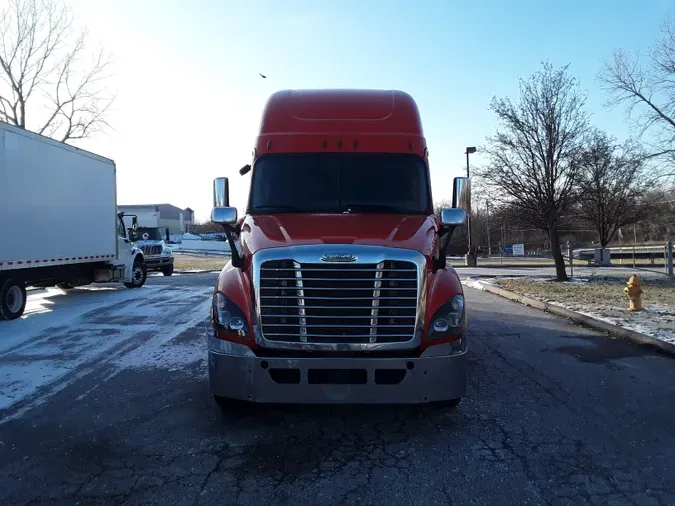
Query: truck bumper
x,y
156,263
236,373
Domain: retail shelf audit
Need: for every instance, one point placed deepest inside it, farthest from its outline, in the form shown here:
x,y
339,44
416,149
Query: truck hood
x,y
398,231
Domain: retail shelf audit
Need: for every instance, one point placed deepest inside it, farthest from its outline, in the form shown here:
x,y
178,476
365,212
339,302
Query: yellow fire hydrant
x,y
634,294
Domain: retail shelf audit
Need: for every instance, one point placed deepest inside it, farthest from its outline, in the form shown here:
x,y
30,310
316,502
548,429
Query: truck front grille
x,y
151,250
338,303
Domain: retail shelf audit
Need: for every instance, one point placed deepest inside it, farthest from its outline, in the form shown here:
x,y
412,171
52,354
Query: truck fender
x,y
131,280
444,284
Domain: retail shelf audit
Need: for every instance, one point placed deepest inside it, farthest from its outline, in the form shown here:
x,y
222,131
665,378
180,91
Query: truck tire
x,y
12,299
139,274
168,271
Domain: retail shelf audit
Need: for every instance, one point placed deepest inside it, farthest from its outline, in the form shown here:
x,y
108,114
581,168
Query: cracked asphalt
x,y
555,414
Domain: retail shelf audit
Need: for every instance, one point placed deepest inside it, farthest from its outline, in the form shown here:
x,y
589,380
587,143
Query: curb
x,y
586,321
188,273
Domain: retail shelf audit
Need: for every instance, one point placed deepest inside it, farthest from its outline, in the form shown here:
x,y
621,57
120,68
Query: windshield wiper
x,y
384,208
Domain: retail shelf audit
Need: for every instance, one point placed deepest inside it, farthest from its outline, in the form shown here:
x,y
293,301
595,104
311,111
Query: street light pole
x,y
487,224
469,150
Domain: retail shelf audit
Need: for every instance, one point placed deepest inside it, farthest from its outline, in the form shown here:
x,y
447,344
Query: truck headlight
x,y
227,317
167,252
449,319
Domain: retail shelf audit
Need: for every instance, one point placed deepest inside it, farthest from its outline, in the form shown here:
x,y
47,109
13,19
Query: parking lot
x,y
104,399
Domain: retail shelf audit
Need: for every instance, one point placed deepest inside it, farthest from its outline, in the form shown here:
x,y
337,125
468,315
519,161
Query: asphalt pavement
x,y
104,400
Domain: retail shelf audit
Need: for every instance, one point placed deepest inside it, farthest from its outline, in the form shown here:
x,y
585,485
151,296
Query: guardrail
x,y
651,253
202,253
655,248
642,255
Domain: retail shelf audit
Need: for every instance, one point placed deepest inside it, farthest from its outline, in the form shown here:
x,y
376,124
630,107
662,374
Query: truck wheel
x,y
139,274
168,271
12,299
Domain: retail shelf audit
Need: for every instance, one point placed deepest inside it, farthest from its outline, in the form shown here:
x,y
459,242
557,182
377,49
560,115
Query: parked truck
x,y
158,255
150,238
58,220
341,291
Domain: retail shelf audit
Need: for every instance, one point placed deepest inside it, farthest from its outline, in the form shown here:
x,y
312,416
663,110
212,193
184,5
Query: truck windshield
x,y
337,183
153,234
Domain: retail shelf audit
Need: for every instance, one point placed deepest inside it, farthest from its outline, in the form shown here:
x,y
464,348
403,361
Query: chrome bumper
x,y
236,373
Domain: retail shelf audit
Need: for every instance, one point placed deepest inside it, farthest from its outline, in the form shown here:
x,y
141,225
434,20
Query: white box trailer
x,y
58,220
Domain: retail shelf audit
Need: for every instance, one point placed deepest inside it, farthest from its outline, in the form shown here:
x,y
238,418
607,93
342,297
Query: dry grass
x,y
191,263
604,298
602,291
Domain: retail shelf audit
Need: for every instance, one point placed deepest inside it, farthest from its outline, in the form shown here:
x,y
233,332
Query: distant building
x,y
177,220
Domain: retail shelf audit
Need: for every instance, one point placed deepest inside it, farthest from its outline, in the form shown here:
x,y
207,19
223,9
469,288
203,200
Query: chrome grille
x,y
151,250
338,303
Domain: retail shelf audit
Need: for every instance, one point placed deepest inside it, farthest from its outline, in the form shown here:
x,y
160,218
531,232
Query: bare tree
x,y
533,157
613,184
647,90
49,82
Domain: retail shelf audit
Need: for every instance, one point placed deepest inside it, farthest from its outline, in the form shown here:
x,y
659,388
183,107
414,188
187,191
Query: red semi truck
x,y
340,291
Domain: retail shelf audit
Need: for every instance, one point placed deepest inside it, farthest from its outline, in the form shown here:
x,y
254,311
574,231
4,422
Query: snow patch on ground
x,y
478,284
53,307
46,352
171,356
178,350
637,322
644,322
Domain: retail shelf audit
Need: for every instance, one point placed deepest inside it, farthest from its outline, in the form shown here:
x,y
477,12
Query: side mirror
x,y
222,213
134,223
245,169
226,216
461,193
221,192
455,217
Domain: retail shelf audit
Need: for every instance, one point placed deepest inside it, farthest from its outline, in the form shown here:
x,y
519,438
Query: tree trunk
x,y
560,269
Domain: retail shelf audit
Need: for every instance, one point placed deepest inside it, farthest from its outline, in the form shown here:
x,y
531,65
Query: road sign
x,y
518,250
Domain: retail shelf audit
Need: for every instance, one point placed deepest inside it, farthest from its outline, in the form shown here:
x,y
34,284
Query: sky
x,y
189,94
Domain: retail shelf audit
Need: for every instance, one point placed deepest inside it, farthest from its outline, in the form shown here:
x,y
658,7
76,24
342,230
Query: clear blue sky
x,y
189,94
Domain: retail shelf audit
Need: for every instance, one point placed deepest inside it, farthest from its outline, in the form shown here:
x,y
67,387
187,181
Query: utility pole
x,y
487,225
469,150
634,243
503,235
470,258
